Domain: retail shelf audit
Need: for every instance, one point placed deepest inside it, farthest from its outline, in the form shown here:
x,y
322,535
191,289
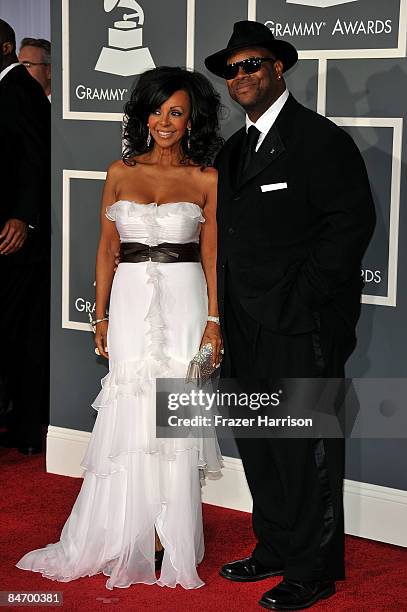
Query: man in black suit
x,y
24,245
295,216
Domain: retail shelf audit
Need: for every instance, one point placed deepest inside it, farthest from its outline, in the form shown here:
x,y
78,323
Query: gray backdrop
x,y
353,68
27,17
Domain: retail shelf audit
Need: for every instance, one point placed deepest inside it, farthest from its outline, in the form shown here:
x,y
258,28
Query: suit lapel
x,y
271,148
273,145
235,158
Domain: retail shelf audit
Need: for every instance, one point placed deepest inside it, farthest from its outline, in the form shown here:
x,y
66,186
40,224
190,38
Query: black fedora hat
x,y
252,34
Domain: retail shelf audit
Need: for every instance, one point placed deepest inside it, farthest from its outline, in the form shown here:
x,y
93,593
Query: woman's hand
x,y
101,338
116,260
213,336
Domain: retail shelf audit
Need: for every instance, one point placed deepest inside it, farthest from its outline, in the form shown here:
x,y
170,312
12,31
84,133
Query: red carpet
x,y
34,506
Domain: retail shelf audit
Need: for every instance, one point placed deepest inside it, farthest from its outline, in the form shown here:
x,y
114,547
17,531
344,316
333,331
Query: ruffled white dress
x,y
134,482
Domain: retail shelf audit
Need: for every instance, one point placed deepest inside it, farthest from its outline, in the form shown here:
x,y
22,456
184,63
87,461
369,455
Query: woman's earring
x,y
189,138
149,137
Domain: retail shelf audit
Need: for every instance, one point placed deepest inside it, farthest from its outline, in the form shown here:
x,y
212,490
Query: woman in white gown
x,y
142,494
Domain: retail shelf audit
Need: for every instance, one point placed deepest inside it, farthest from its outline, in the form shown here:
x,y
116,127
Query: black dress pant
x,y
296,483
24,326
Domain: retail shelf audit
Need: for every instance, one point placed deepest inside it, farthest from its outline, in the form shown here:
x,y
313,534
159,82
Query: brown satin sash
x,y
166,252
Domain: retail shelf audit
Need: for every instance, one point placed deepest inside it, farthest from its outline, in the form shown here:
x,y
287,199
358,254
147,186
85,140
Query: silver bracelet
x,y
96,321
214,320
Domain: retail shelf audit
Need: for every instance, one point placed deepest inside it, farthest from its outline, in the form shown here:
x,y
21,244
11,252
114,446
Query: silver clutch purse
x,y
201,368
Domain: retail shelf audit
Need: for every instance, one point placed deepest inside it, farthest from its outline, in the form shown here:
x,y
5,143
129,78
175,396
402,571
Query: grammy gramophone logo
x,y
125,55
320,3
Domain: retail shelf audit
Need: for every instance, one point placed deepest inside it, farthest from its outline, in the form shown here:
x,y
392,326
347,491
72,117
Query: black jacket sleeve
x,y
339,189
25,150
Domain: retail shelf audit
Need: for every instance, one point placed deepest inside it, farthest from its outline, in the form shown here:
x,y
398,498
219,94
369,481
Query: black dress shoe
x,y
248,570
296,595
159,554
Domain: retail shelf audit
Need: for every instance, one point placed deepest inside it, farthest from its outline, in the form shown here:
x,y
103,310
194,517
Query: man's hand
x,y
12,236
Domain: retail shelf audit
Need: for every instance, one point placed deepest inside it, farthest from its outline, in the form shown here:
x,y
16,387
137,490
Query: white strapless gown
x,y
134,482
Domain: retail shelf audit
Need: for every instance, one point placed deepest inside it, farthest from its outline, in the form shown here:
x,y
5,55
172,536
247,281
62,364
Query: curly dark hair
x,y
151,90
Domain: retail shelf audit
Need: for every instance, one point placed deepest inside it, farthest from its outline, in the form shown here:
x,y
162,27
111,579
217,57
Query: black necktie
x,y
249,149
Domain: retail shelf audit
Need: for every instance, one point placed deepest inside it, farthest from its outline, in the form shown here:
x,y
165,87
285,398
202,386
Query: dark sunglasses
x,y
249,66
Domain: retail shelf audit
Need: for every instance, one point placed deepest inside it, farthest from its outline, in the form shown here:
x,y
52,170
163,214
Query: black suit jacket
x,y
25,126
295,253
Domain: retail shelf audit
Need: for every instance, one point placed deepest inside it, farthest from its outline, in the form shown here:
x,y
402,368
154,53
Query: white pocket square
x,y
273,187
